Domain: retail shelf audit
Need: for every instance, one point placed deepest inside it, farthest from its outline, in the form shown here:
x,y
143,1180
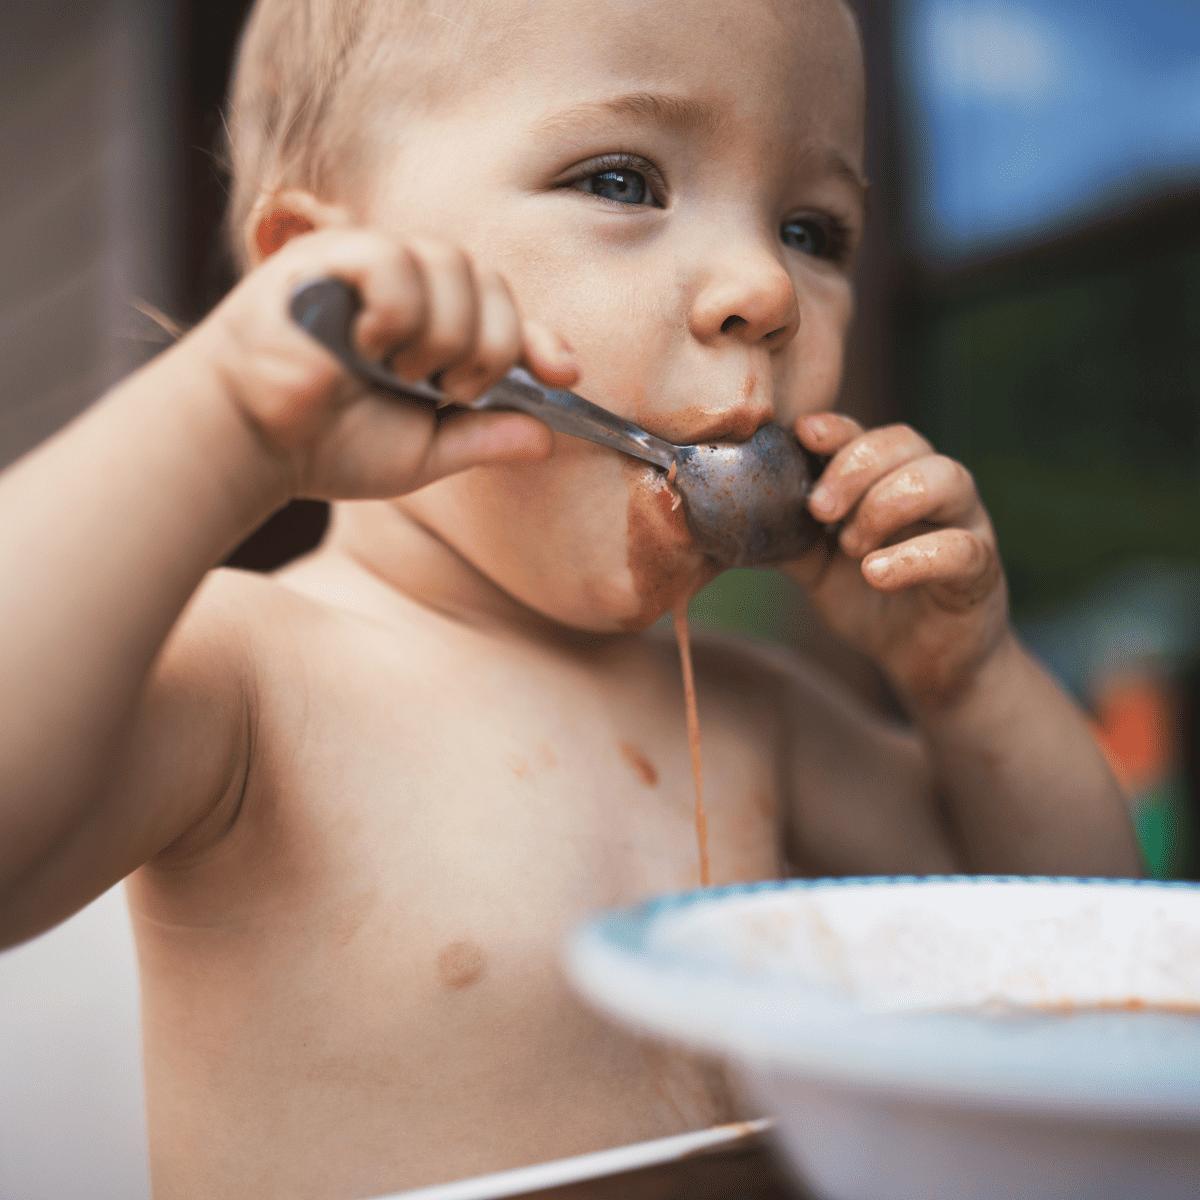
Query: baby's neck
x,y
413,562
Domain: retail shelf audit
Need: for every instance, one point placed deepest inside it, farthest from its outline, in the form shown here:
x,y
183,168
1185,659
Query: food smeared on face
x,y
661,561
683,637
678,500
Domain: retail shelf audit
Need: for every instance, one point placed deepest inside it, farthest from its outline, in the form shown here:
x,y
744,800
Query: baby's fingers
x,y
480,439
861,462
957,566
475,333
501,341
827,432
446,334
547,356
496,346
935,489
382,448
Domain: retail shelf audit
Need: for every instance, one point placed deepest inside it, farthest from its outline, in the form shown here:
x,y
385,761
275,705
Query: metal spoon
x,y
745,502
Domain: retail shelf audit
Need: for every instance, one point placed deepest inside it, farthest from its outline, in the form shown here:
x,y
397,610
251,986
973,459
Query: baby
x,y
360,803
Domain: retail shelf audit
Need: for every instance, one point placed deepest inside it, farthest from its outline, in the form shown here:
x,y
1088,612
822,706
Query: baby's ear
x,y
281,216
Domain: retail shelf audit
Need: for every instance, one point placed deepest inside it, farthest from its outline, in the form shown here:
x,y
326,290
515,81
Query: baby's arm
x,y
112,747
1013,775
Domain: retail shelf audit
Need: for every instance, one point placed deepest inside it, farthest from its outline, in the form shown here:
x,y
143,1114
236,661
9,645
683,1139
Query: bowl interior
x,y
908,946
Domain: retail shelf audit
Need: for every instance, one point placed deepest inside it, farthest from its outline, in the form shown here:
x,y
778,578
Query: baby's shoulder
x,y
236,607
253,626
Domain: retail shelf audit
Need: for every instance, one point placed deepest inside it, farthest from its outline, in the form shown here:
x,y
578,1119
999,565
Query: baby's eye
x,y
628,187
613,178
821,237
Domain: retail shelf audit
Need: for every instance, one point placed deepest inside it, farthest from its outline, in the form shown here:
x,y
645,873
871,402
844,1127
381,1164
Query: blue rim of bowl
x,y
627,927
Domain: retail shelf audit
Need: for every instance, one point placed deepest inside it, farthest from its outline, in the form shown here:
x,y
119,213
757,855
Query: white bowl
x,y
929,1038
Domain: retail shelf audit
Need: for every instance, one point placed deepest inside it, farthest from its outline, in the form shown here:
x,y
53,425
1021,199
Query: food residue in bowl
x,y
999,1009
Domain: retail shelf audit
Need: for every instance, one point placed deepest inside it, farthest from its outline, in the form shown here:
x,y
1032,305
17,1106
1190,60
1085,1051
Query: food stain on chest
x,y
646,771
527,766
683,637
460,964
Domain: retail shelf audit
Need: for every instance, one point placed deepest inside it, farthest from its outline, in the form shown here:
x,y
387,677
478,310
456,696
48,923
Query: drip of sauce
x,y
693,727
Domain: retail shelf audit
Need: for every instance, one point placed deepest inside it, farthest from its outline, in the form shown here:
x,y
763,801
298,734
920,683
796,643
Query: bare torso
x,y
351,980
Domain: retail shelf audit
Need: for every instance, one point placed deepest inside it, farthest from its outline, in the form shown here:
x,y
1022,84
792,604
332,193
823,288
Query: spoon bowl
x,y
747,502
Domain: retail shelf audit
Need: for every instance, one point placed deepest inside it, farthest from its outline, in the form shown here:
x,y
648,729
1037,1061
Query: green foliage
x,y
1074,396
757,603
761,603
1165,824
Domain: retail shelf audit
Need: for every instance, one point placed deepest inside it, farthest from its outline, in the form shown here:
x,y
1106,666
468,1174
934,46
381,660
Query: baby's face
x,y
675,186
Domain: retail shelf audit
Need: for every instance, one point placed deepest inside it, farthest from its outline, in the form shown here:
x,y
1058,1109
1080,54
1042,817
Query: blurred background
x,y
1029,299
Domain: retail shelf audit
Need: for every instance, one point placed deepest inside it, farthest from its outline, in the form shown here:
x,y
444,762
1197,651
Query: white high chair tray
x,y
586,1174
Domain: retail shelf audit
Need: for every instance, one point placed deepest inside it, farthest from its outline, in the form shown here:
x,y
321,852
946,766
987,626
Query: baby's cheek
x,y
562,544
816,357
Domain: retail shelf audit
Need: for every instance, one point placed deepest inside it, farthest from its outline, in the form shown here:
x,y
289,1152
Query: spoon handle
x,y
326,310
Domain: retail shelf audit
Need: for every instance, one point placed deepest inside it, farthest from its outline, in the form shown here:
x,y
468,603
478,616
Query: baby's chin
x,y
591,541
627,579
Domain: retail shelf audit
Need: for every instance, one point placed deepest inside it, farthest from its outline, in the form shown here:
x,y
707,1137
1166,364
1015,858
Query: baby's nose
x,y
749,297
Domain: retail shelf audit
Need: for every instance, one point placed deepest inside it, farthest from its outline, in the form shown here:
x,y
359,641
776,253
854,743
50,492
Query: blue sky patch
x,y
1030,115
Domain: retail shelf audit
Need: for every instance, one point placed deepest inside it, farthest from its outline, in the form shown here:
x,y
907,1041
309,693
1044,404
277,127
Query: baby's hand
x,y
426,308
915,580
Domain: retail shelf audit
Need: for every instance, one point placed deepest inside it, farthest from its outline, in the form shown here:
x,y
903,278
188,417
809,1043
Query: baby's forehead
x,y
446,47
315,101
506,48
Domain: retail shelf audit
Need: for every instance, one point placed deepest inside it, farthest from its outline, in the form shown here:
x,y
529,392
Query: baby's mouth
x,y
699,425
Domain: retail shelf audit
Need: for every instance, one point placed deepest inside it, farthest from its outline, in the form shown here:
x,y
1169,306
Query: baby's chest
x,y
408,877
450,890
543,808
444,825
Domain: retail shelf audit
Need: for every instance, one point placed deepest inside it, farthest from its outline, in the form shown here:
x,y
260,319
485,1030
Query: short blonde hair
x,y
315,81
308,81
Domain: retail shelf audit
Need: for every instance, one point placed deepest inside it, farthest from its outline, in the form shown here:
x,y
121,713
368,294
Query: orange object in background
x,y
1135,726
